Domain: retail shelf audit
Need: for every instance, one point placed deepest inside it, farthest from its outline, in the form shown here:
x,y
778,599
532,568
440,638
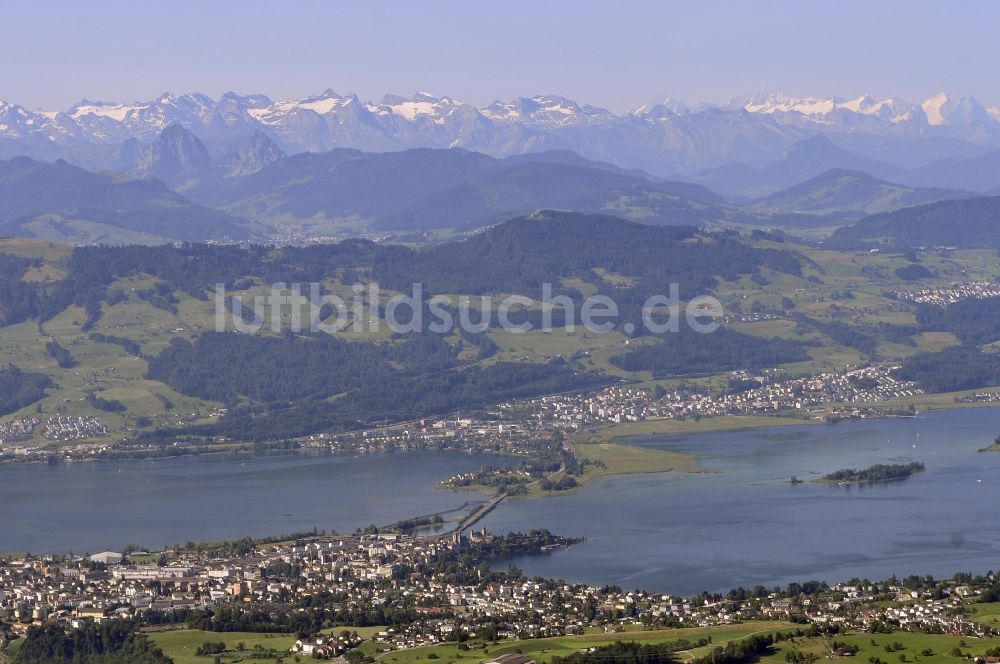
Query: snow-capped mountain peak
x,y
932,108
659,105
323,103
944,110
13,120
117,112
105,121
420,105
825,109
780,103
19,123
546,111
892,109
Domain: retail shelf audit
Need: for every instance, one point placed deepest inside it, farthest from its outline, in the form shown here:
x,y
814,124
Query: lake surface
x,y
93,506
745,524
741,524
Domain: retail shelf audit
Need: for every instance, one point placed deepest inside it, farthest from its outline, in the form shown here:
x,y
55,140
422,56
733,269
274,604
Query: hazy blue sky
x,y
614,54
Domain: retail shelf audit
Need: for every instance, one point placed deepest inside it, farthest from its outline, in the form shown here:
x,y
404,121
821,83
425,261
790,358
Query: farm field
x,y
916,647
542,650
181,645
616,459
621,433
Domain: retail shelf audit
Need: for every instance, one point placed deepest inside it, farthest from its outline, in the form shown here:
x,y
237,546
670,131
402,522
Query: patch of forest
x,y
19,389
688,352
880,472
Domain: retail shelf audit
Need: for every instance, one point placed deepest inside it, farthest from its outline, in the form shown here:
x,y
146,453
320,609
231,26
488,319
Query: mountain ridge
x,y
662,137
978,173
425,194
456,189
107,207
802,161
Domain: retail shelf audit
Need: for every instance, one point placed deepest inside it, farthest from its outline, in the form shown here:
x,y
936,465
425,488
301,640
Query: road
x,y
479,513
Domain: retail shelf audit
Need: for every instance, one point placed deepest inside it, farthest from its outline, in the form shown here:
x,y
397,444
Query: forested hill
x,y
972,223
194,269
517,256
520,255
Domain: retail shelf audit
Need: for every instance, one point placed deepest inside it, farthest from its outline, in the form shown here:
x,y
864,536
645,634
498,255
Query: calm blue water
x,y
743,524
87,507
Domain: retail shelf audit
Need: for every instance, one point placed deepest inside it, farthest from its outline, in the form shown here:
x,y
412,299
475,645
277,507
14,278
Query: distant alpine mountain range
x,y
664,137
422,167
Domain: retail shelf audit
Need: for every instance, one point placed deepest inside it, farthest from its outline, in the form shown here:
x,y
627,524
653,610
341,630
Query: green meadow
x,y
542,650
181,645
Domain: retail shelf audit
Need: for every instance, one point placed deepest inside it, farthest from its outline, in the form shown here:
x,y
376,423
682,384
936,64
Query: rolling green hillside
x,y
126,334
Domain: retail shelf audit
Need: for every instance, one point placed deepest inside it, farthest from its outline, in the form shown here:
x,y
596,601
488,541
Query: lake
x,y
741,524
744,524
94,506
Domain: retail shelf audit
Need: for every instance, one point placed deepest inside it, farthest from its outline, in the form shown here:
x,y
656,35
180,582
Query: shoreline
x,y
618,434
859,482
665,481
625,435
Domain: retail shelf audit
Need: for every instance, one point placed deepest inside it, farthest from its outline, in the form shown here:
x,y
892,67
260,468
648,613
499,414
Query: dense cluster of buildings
x,y
759,394
360,572
380,571
497,432
64,427
965,290
520,428
980,397
18,429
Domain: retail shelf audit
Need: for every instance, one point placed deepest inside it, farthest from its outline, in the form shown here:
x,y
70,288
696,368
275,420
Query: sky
x,y
612,54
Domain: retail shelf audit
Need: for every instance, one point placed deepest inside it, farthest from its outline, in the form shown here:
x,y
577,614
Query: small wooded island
x,y
880,472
